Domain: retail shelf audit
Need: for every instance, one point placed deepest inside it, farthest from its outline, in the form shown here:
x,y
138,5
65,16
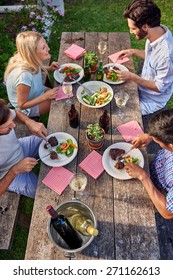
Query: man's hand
x,y
36,128
24,165
135,171
141,140
125,75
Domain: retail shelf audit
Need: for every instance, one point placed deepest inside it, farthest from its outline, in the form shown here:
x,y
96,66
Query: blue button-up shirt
x,y
158,67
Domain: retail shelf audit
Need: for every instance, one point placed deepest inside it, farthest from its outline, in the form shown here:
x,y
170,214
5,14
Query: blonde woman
x,y
23,76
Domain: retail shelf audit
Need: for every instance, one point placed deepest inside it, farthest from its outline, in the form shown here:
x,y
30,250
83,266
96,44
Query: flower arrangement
x,y
39,17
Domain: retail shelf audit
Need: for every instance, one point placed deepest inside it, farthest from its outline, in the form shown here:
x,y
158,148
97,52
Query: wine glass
x,y
78,182
121,99
102,46
67,89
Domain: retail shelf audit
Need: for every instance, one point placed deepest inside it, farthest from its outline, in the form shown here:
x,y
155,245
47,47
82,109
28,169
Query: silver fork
x,y
86,89
111,67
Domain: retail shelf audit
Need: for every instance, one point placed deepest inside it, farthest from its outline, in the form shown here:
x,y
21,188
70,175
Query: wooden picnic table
x,y
124,212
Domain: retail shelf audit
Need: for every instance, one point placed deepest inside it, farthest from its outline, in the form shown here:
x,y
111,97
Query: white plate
x,y
61,137
94,86
59,77
121,67
108,163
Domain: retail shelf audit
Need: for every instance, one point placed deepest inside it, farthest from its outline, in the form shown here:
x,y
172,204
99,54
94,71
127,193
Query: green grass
x,y
80,15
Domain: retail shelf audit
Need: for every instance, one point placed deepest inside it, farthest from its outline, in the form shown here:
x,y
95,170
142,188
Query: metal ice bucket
x,y
68,209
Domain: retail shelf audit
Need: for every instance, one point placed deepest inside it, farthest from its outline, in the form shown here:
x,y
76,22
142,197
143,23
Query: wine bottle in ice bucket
x,y
83,224
64,228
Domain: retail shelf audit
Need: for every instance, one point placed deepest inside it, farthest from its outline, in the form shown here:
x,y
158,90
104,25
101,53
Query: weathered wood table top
x,y
124,212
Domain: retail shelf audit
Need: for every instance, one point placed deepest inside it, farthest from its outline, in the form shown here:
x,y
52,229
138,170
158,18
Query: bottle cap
x,y
92,231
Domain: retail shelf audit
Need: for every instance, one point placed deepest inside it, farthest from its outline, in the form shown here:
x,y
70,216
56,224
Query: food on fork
x,y
53,155
119,165
52,141
125,160
115,153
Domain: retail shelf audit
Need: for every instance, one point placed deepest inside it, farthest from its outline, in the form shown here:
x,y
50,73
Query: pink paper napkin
x,y
58,179
130,130
114,56
61,95
92,164
74,51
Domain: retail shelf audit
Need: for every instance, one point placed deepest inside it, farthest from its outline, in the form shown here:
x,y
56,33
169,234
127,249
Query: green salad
x,y
98,98
67,147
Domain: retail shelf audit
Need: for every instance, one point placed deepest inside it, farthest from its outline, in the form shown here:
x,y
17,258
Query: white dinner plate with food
x,y
62,158
101,94
114,82
59,77
109,163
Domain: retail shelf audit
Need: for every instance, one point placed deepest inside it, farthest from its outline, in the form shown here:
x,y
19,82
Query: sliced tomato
x,y
66,68
63,146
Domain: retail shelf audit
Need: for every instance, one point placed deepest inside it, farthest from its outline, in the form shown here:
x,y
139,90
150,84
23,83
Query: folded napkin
x,y
130,130
58,179
74,51
61,95
114,56
92,164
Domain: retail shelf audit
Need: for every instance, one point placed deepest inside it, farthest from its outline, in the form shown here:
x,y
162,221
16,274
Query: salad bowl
x,y
102,95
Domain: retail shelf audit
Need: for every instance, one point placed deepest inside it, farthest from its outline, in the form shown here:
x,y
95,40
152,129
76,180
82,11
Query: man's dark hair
x,y
161,126
4,112
143,12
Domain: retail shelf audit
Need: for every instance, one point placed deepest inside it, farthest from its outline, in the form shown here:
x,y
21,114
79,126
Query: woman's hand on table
x,y
141,140
50,93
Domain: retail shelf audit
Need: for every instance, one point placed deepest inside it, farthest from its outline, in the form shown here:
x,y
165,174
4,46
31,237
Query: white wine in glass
x,y
78,182
102,46
121,99
67,89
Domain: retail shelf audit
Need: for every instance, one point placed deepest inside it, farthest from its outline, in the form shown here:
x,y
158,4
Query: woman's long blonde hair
x,y
25,59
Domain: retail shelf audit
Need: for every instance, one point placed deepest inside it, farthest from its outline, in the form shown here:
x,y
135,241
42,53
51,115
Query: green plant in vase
x,y
92,59
95,135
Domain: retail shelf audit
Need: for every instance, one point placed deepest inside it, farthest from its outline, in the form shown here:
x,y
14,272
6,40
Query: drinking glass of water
x,y
121,99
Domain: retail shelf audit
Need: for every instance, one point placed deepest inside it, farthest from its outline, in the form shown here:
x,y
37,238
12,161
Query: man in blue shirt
x,y
155,85
160,129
